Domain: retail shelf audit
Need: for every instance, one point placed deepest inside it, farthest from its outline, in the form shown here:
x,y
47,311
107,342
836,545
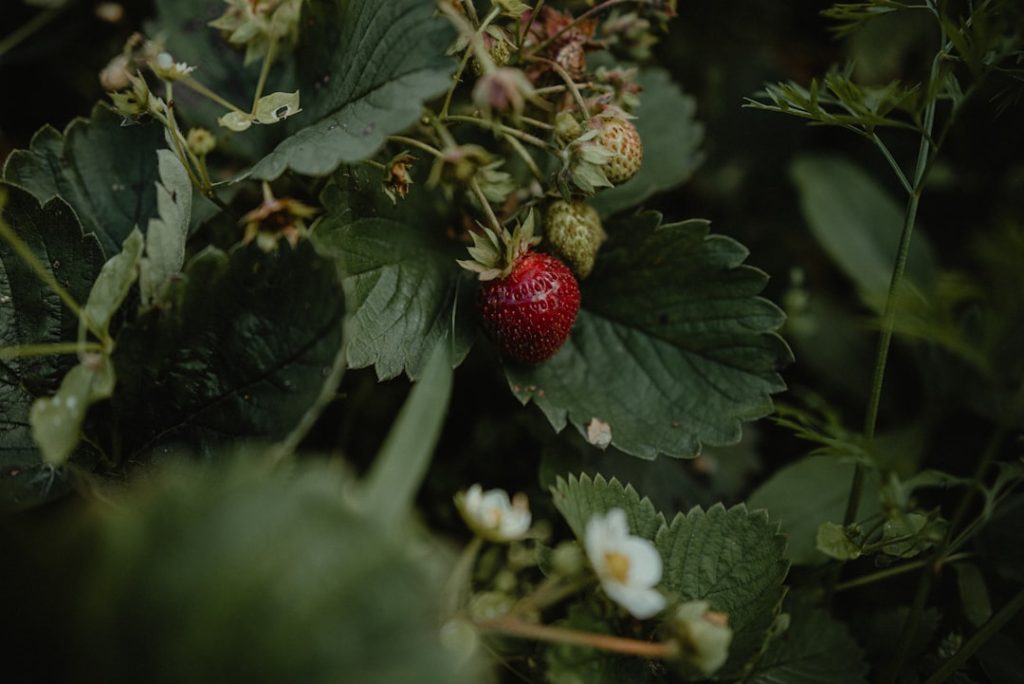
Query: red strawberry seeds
x,y
530,312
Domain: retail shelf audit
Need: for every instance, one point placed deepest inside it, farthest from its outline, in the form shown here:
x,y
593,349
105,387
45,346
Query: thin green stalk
x,y
417,144
978,639
893,572
501,128
531,164
26,30
268,61
513,626
21,351
195,85
607,4
569,83
475,46
521,35
488,210
458,585
328,393
936,560
897,169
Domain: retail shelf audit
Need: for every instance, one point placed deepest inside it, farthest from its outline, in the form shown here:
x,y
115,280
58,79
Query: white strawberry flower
x,y
628,566
165,67
492,515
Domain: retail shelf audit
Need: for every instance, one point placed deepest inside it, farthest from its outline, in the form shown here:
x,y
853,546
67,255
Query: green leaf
x,y
57,421
105,171
366,66
30,313
973,593
406,295
671,136
734,560
673,348
113,283
267,575
859,225
579,499
924,531
402,461
815,649
805,494
168,231
239,349
833,541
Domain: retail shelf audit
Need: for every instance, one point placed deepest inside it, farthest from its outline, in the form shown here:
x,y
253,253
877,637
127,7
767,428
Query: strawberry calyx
x,y
495,254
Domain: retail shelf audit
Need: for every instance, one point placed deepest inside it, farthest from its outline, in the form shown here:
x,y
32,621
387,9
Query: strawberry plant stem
x,y
488,210
978,639
25,31
476,45
416,143
894,571
20,351
513,626
608,4
569,83
521,37
268,61
195,85
501,128
328,393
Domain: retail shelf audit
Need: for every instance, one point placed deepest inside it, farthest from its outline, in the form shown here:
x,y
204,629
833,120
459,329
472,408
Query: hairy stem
x,y
978,639
513,626
328,393
413,142
198,87
26,30
936,561
488,210
20,351
268,61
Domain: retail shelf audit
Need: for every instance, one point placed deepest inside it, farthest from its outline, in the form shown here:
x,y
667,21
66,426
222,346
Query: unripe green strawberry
x,y
574,231
620,137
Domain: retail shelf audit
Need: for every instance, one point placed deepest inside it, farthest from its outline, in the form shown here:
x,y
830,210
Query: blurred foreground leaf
x,y
229,573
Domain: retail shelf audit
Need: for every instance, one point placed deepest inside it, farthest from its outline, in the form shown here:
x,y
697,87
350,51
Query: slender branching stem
x,y
978,639
569,83
488,210
21,351
476,46
28,29
513,626
596,9
198,87
268,61
500,128
895,571
413,142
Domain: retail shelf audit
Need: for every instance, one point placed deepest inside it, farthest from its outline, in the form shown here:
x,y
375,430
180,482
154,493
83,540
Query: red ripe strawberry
x,y
528,300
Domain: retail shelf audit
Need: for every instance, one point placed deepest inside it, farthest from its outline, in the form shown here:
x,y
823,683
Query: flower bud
x,y
703,637
200,141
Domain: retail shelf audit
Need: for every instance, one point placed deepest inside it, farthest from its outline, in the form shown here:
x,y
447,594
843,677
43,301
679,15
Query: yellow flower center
x,y
618,566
